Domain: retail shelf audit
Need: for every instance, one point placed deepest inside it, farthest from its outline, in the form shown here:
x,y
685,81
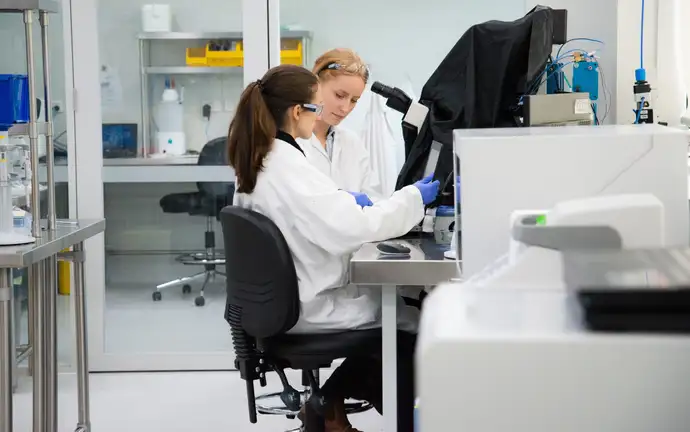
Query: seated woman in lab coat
x,y
322,225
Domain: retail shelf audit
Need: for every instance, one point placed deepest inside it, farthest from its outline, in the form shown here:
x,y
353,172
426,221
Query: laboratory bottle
x,y
170,136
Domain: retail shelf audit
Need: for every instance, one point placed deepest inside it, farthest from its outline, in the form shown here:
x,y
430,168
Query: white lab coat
x,y
350,168
382,147
323,226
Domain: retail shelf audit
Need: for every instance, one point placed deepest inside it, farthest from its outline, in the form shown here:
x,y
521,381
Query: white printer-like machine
x,y
573,317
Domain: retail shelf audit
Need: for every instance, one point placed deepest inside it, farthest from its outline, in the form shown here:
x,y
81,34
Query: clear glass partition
x,y
13,54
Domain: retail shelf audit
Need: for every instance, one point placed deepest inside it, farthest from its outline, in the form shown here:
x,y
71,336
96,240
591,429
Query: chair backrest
x,y
262,286
215,152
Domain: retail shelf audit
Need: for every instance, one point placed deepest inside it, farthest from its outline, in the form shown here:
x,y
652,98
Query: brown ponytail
x,y
260,113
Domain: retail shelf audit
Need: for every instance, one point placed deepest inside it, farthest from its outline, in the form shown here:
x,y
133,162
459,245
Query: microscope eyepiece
x,y
395,98
381,89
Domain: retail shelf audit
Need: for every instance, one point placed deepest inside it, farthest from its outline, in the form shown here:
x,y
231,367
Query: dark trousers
x,y
361,378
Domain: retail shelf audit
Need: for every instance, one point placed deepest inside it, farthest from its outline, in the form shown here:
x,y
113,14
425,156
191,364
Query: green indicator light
x,y
541,220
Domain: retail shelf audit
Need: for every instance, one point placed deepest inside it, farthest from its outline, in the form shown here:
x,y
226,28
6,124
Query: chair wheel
x,y
199,301
186,289
157,296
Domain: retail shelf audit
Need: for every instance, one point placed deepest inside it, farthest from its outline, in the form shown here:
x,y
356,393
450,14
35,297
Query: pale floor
x,y
170,402
134,323
180,401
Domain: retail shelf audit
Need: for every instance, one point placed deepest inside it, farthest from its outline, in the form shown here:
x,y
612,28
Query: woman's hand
x,y
428,189
362,199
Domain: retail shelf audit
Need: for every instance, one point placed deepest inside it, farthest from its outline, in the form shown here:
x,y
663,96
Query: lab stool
x,y
262,306
209,259
273,404
207,202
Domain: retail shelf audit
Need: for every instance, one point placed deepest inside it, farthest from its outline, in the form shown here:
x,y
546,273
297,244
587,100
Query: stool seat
x,y
314,351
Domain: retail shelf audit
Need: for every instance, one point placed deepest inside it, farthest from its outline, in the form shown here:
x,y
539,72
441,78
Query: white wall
x,y
657,63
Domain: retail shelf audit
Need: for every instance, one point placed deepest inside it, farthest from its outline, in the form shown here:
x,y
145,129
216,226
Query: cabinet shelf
x,y
291,34
191,70
22,129
24,5
149,71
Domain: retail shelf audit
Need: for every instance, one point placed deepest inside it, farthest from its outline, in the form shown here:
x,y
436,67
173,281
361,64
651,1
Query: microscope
x,y
414,113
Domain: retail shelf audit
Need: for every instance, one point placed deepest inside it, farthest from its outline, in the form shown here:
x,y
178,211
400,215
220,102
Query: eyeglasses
x,y
317,109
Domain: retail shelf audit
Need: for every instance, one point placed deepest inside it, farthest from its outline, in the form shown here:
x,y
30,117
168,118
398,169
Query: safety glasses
x,y
317,109
354,68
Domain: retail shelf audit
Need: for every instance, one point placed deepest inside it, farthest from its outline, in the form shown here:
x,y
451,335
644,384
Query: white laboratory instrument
x,y
8,235
504,170
611,222
156,18
517,360
506,349
169,117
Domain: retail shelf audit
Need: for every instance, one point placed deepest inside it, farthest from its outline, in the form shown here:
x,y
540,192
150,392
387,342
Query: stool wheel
x,y
157,296
199,301
186,289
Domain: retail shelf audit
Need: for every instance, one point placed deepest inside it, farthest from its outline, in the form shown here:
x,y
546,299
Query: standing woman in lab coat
x,y
337,151
322,226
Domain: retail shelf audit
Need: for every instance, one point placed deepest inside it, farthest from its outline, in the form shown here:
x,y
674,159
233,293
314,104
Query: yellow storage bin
x,y
196,56
226,58
291,52
204,56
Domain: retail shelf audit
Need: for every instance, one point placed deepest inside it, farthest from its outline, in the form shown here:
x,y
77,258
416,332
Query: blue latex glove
x,y
362,199
428,189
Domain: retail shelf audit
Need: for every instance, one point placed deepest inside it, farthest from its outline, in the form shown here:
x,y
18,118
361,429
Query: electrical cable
x,y
570,86
535,86
538,81
569,53
558,53
639,111
558,68
642,37
607,93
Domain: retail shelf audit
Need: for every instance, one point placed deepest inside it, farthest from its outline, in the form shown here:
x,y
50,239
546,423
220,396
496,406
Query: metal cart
x,y
52,236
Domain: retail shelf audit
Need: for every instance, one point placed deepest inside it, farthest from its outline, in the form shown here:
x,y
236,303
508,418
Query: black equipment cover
x,y
477,85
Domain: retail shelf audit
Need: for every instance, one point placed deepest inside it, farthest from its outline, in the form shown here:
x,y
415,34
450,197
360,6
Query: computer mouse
x,y
393,248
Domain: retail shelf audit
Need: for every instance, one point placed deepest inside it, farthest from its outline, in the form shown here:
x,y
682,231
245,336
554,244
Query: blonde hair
x,y
340,61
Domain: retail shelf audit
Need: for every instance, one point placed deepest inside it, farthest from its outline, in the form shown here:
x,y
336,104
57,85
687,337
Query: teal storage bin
x,y
14,99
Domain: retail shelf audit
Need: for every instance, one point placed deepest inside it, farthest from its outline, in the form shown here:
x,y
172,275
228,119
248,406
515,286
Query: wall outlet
x,y
57,107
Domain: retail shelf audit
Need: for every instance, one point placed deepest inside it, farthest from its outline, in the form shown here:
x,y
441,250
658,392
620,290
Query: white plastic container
x,y
170,138
156,18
